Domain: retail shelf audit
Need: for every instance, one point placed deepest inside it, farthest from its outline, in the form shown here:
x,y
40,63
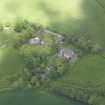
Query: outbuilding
x,y
67,53
35,41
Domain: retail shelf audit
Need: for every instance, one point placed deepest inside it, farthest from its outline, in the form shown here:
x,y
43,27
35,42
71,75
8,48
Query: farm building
x,y
68,54
36,41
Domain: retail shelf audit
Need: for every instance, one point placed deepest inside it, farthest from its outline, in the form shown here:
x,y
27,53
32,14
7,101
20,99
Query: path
x,y
52,33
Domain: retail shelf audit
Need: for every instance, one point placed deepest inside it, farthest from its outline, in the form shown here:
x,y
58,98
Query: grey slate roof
x,y
67,53
34,41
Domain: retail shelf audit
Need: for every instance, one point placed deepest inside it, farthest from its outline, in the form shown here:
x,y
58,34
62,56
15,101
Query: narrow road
x,y
59,37
52,33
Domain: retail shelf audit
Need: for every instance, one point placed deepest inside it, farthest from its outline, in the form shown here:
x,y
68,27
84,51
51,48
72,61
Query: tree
x,y
27,74
35,82
95,99
30,31
21,25
18,27
96,48
21,39
25,25
60,65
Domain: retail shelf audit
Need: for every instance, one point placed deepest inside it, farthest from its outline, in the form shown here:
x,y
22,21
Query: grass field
x,y
32,97
84,17
11,66
11,63
86,76
35,10
90,69
7,38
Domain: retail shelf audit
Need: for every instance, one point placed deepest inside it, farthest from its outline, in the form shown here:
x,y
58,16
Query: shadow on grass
x,y
91,25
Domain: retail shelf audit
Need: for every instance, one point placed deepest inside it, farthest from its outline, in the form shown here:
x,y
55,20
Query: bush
x,y
21,39
96,48
35,82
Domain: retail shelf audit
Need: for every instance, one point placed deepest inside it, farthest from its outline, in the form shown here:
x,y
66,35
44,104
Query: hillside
x,y
53,45
84,17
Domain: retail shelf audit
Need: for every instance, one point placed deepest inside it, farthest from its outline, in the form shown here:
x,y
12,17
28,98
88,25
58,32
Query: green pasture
x,y
88,70
11,63
38,10
7,38
31,97
79,17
